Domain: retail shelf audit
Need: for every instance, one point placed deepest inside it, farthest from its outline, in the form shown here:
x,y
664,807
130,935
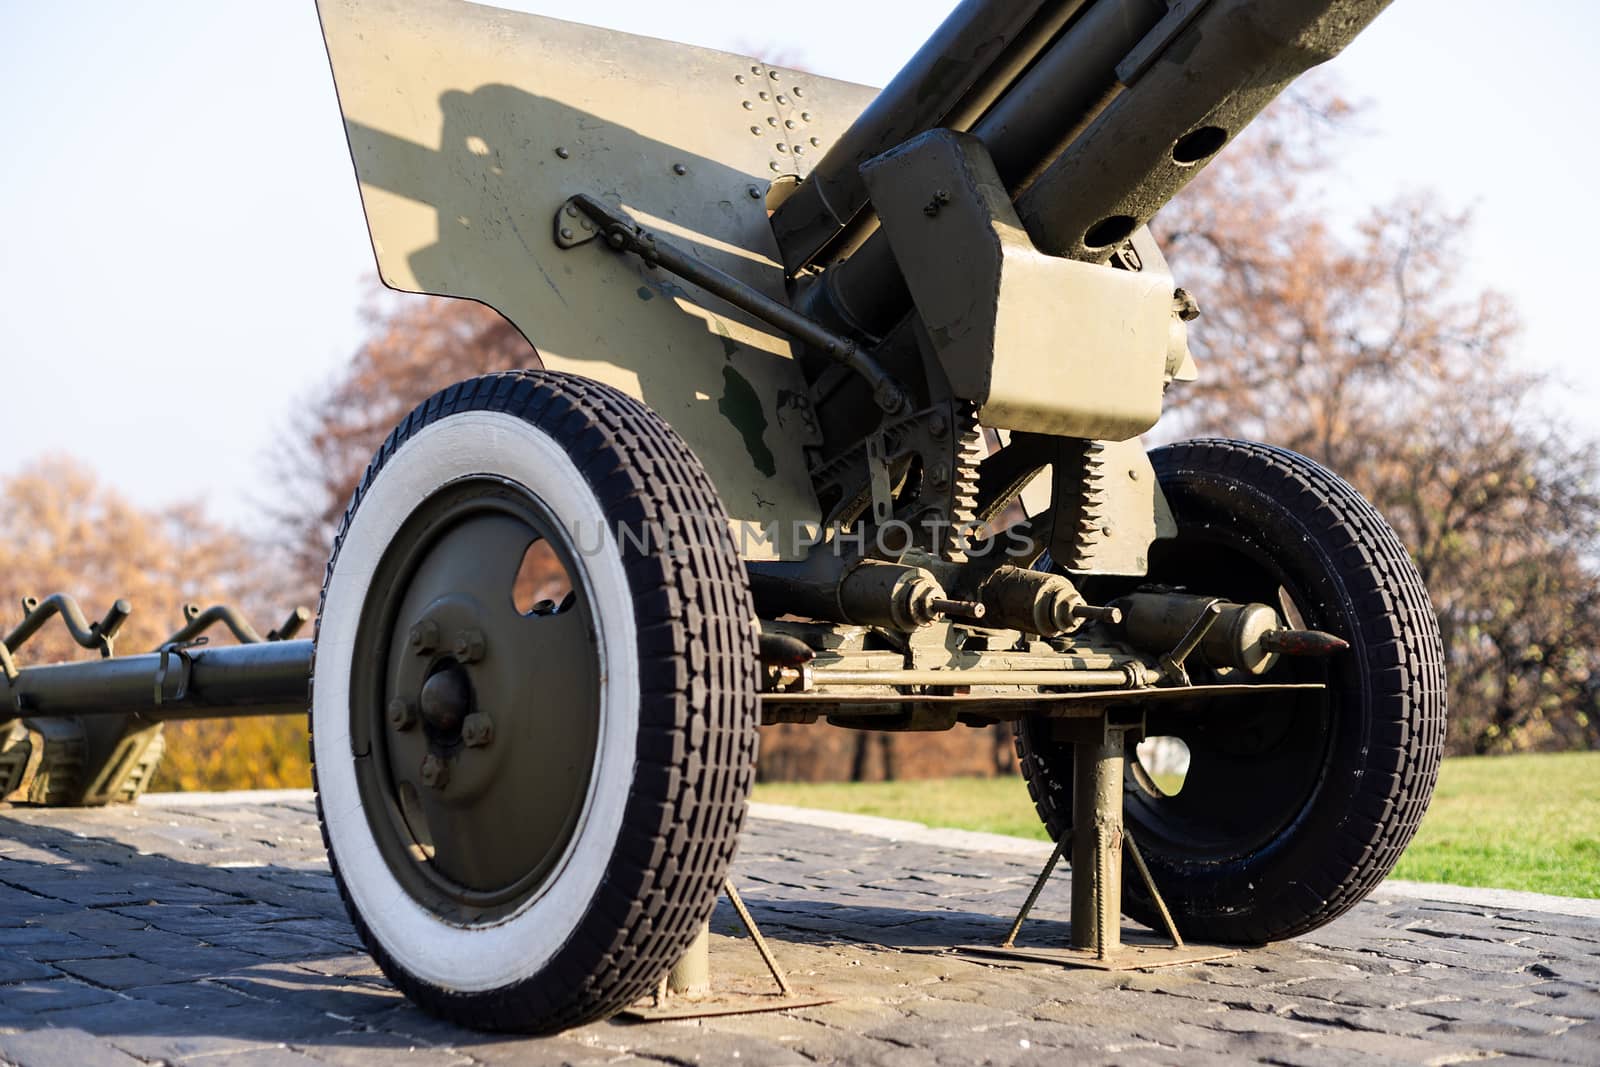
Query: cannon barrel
x,y
957,73
1109,121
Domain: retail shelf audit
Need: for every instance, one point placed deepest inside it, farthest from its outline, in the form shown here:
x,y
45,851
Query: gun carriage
x,y
838,422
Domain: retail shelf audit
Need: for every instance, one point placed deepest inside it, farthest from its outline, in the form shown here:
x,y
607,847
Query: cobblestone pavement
x,y
213,935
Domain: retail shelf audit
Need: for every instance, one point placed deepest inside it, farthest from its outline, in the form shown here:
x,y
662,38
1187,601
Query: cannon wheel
x,y
529,810
1290,812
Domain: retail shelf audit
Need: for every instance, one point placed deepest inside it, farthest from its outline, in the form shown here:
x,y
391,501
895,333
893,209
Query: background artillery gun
x,y
838,421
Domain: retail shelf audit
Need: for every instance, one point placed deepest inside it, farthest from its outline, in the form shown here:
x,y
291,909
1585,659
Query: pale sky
x,y
184,254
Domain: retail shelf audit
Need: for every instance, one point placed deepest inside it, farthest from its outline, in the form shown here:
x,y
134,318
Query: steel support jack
x,y
1097,843
686,992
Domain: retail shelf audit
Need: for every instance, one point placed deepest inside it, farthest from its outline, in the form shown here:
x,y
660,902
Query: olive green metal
x,y
957,65
198,622
1150,886
99,636
261,679
1078,679
782,980
470,127
691,975
622,233
1038,343
1016,598
1062,846
1235,639
1199,78
475,733
1097,773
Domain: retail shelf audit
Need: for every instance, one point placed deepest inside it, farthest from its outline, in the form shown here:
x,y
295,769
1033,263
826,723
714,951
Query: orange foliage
x,y
63,531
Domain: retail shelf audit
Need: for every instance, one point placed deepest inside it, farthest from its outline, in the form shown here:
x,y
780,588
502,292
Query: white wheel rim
x,y
451,956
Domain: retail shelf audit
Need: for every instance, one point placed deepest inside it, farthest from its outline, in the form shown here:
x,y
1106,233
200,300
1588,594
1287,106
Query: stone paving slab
x,y
208,932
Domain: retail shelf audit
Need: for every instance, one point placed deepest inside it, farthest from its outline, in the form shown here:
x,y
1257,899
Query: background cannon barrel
x,y
1109,122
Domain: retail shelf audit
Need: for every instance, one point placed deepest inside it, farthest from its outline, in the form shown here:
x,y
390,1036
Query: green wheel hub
x,y
476,731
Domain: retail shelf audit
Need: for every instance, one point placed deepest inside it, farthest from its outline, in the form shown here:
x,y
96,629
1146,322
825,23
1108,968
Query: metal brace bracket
x,y
693,998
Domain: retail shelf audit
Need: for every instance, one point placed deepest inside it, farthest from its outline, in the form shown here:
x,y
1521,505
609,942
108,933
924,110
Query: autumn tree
x,y
415,346
1363,348
62,530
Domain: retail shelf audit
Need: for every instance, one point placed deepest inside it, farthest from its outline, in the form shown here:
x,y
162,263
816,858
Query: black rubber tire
x,y
698,706
1320,847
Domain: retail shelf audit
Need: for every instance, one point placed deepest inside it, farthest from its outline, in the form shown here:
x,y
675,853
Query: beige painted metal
x,y
1133,501
1079,350
1050,345
471,126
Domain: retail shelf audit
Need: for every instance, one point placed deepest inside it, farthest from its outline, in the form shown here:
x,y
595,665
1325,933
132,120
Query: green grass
x,y
1508,822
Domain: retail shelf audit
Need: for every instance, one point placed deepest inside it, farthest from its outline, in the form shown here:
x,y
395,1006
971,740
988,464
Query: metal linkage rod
x,y
1086,679
624,235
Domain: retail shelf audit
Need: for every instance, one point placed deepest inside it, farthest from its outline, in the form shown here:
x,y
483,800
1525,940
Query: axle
x,y
269,678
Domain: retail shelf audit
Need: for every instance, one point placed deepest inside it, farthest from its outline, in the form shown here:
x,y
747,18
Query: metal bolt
x,y
798,91
402,716
748,106
477,730
425,636
566,234
773,75
755,193
679,169
572,211
805,116
782,99
756,130
940,476
938,427
782,147
562,153
435,772
739,78
1106,530
1133,473
469,647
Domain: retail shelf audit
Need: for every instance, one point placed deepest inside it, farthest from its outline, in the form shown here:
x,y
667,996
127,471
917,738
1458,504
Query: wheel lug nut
x,y
402,716
425,636
435,772
469,647
477,730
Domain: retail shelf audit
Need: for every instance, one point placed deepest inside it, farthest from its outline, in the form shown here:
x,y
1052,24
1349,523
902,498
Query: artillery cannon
x,y
837,422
